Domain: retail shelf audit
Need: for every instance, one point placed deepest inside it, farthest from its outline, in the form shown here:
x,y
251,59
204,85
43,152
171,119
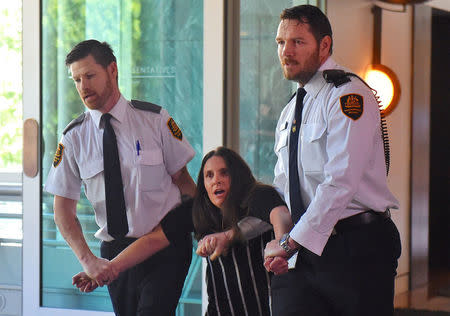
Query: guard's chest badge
x,y
352,105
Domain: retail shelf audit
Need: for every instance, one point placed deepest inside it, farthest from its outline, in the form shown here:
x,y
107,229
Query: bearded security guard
x,y
334,121
331,171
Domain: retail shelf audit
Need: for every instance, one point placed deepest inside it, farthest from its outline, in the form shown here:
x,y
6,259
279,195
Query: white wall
x,y
352,23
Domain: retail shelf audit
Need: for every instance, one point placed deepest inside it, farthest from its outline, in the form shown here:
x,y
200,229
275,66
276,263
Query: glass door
x,y
10,158
263,91
159,49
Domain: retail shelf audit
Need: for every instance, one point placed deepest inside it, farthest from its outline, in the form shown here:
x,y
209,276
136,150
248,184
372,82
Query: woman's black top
x,y
237,283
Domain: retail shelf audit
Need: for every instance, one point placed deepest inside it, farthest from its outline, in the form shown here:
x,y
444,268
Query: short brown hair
x,y
318,22
102,52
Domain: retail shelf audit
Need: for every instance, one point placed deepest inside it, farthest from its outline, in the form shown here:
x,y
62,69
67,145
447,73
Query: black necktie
x,y
116,216
297,207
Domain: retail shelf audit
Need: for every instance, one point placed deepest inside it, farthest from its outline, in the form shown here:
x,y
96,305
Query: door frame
x,y
31,50
420,146
212,122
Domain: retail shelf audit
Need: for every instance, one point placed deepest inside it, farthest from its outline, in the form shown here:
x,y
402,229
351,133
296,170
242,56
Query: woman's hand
x,y
84,283
206,246
277,265
101,270
106,273
275,258
214,245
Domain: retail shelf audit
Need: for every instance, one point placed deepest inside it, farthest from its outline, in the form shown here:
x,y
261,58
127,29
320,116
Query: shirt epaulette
x,y
74,123
336,76
146,106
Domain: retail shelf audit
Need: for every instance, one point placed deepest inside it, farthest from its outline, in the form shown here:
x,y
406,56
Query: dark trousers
x,y
353,277
152,287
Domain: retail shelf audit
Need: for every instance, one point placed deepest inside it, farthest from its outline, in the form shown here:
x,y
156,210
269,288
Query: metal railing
x,y
10,192
10,209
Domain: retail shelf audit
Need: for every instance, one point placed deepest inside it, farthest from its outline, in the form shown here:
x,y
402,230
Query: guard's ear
x,y
112,69
325,46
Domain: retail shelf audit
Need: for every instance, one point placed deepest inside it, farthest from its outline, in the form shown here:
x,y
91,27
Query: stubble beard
x,y
102,98
310,67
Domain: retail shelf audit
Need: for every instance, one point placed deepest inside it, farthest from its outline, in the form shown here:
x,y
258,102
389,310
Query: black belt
x,y
355,221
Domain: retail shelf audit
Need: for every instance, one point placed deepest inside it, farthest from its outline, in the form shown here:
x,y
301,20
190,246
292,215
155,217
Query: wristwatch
x,y
284,243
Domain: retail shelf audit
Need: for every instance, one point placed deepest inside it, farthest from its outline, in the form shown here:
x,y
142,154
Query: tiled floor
x,y
427,297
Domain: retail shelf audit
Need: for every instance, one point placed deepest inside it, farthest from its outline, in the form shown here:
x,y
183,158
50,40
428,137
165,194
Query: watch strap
x,y
284,243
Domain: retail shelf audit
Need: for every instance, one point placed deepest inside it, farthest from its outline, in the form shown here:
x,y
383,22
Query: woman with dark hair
x,y
230,215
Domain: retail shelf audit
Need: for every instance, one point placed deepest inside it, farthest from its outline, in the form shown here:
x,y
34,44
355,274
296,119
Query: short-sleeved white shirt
x,y
146,173
341,162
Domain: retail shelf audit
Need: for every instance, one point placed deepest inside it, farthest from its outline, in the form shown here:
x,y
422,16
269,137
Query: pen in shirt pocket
x,y
138,147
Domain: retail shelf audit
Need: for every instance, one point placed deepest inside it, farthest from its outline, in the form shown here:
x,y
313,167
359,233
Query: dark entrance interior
x,y
439,220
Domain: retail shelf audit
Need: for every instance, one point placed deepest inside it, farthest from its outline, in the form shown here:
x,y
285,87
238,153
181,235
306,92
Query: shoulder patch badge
x,y
58,155
352,105
174,129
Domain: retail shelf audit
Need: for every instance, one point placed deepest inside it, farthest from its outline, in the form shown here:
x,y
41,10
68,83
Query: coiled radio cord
x,y
339,77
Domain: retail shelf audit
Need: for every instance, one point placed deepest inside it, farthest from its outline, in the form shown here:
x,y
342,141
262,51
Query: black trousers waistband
x,y
356,221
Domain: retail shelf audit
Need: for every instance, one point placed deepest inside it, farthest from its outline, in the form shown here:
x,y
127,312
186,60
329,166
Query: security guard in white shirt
x,y
153,154
334,180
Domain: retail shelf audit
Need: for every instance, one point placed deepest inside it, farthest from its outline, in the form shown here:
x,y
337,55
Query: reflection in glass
x,y
159,49
263,90
11,86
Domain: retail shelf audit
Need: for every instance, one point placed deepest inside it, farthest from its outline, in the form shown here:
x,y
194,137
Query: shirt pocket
x,y
283,136
91,172
91,168
151,170
313,153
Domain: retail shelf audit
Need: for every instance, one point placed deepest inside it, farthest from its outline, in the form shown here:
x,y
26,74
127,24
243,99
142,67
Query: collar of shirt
x,y
316,83
117,112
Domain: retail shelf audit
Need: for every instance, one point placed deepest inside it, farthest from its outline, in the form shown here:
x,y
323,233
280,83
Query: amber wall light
x,y
385,82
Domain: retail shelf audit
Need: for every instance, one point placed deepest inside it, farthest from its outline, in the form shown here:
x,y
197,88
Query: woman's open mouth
x,y
219,192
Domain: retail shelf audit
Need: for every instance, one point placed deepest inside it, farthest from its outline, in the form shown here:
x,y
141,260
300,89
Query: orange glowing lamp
x,y
386,83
